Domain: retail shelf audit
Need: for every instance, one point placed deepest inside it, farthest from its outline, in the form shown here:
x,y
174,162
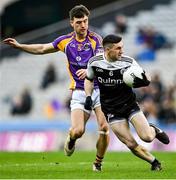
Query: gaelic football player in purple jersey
x,y
79,46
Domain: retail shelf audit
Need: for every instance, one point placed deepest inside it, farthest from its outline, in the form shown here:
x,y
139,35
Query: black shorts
x,y
123,115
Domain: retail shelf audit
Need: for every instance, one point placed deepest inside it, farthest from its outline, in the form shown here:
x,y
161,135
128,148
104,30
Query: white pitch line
x,y
43,164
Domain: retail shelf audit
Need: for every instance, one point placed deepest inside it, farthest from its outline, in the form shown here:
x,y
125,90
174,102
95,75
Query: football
x,y
131,73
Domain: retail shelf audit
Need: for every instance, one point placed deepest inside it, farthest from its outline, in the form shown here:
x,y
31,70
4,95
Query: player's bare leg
x,y
78,121
122,131
103,139
143,153
148,132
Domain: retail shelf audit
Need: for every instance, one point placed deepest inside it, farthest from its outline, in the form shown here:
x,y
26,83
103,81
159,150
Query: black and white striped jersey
x,y
115,95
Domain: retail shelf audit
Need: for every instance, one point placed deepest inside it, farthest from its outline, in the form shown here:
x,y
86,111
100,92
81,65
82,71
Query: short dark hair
x,y
110,39
78,11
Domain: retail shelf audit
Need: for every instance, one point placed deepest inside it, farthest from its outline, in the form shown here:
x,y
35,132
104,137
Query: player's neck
x,y
80,37
108,58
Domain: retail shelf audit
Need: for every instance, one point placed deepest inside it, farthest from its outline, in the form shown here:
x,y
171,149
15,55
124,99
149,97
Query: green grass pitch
x,y
55,165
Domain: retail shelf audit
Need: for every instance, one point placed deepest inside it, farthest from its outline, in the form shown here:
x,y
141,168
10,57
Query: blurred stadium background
x,y
148,29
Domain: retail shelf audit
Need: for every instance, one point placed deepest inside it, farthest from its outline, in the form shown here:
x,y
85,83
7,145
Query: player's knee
x,y
104,127
147,137
78,132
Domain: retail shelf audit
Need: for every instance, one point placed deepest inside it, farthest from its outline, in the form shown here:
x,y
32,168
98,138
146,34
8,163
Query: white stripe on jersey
x,y
99,61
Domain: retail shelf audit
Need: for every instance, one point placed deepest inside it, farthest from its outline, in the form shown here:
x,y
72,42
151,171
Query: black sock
x,y
155,161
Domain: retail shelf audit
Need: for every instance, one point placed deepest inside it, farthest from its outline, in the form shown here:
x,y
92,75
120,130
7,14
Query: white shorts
x,y
79,97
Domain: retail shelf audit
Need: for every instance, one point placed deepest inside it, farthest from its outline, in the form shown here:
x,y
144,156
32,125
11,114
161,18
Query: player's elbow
x,y
42,50
37,49
45,49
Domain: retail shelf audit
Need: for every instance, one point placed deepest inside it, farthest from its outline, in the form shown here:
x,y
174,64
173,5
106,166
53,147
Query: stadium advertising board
x,y
28,141
40,141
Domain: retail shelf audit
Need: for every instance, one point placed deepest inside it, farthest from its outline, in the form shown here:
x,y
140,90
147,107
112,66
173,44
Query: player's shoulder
x,y
65,36
128,59
93,60
94,35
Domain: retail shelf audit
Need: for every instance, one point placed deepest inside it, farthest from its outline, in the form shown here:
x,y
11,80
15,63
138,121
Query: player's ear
x,y
107,49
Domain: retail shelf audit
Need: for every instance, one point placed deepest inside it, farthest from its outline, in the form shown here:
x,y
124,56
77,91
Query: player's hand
x,y
81,73
138,82
88,103
12,42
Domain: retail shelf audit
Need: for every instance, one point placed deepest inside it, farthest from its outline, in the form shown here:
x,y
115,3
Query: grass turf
x,y
54,165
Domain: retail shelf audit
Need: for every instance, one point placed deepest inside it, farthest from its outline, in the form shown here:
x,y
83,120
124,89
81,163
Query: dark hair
x,y
79,11
110,39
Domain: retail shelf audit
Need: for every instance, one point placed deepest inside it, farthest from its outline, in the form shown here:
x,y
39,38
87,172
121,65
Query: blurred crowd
x,y
150,40
22,102
147,39
158,101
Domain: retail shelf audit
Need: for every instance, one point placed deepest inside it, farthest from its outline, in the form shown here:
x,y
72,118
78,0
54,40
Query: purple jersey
x,y
78,54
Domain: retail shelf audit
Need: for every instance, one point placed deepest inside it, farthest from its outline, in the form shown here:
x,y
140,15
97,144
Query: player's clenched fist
x,y
88,103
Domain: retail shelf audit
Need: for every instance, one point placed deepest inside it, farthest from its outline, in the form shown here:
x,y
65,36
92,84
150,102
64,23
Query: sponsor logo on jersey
x,y
110,116
109,81
78,58
80,47
99,70
86,46
72,45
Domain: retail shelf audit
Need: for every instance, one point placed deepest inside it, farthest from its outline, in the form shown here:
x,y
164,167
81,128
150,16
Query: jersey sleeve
x,y
60,43
90,75
99,46
134,63
55,43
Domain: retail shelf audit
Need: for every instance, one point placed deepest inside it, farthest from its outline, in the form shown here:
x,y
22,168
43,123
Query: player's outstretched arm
x,y
30,48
